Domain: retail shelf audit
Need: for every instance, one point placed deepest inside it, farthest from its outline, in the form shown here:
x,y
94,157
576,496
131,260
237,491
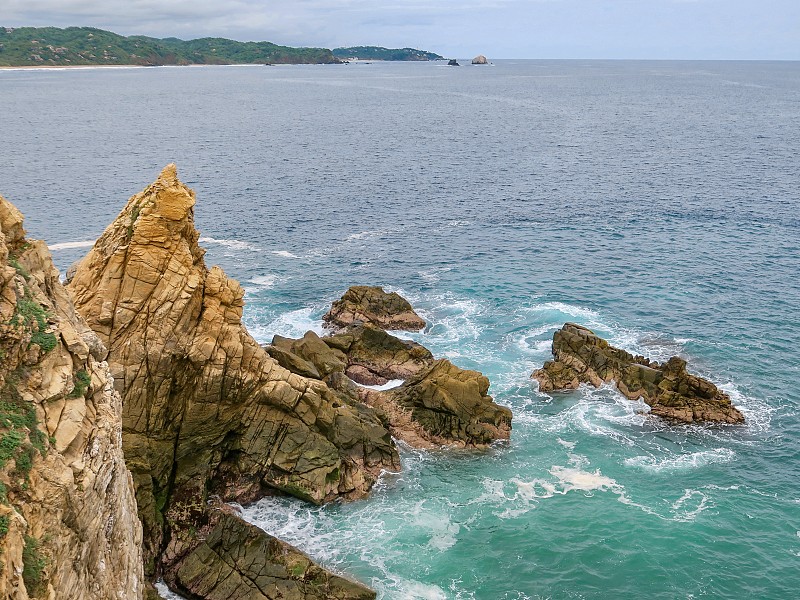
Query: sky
x,y
645,29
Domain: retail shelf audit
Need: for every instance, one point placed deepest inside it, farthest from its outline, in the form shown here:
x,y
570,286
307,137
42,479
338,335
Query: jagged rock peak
x,y
206,411
671,392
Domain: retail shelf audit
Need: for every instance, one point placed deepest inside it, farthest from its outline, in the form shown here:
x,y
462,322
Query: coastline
x,y
79,67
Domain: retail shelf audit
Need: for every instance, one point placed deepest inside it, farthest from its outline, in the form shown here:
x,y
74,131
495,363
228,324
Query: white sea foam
x,y
757,412
392,383
434,274
415,590
166,593
70,245
293,324
681,462
364,235
233,244
581,312
284,254
264,281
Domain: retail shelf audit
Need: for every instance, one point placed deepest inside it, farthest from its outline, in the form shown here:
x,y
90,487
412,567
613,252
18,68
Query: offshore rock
x,y
239,560
207,412
68,524
370,304
453,63
443,405
669,390
480,60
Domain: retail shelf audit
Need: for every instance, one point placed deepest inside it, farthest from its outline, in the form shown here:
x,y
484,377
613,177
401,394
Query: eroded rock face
x,y
206,411
370,304
374,357
438,405
239,560
670,391
443,405
68,524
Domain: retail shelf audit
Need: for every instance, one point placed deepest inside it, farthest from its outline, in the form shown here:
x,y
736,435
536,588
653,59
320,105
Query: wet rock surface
x,y
371,305
239,560
670,391
438,405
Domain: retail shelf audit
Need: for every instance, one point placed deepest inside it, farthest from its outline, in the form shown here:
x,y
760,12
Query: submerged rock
x,y
370,304
68,524
207,412
669,390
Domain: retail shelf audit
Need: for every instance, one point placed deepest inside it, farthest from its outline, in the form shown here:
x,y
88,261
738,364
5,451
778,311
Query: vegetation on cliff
x,y
67,512
52,46
379,53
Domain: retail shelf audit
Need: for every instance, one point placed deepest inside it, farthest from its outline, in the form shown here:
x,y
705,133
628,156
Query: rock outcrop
x,y
453,63
238,560
443,405
68,524
374,357
480,60
208,415
438,405
669,390
371,305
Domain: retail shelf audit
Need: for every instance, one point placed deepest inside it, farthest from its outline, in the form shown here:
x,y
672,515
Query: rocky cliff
x,y
208,415
68,524
669,390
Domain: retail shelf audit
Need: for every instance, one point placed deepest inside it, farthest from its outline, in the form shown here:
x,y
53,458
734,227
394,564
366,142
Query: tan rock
x,y
443,405
68,503
206,411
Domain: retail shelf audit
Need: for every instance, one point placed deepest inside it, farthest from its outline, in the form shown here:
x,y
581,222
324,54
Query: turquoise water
x,y
655,202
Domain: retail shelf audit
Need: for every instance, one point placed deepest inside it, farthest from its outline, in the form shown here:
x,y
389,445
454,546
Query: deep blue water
x,y
655,202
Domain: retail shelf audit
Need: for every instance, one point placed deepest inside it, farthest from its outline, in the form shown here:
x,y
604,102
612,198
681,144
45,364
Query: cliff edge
x,y
68,524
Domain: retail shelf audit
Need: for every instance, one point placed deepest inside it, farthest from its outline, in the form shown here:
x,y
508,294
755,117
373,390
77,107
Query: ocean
x,y
655,202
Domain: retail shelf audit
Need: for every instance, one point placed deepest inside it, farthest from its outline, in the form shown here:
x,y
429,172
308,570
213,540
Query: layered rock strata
x,y
68,524
371,305
669,390
365,353
208,415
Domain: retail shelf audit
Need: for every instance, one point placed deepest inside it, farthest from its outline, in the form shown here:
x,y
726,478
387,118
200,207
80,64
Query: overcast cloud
x,y
712,29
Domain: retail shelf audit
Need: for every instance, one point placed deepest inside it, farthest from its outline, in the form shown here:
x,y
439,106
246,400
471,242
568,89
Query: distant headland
x,y
88,46
378,53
